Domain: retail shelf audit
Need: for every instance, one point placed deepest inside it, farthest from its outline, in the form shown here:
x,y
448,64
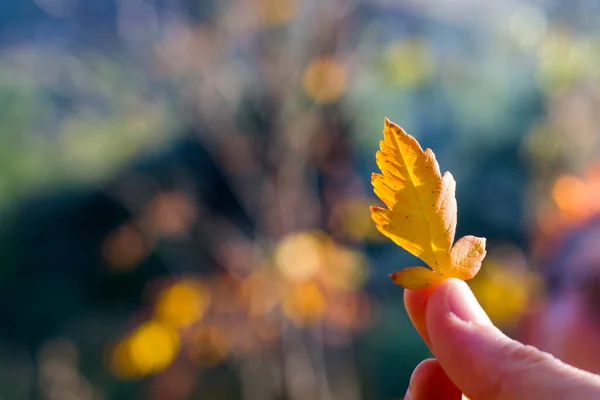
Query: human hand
x,y
475,358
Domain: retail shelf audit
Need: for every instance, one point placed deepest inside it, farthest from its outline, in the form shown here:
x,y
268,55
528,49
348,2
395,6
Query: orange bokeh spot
x,y
568,193
305,303
350,311
325,80
124,248
171,214
261,294
277,12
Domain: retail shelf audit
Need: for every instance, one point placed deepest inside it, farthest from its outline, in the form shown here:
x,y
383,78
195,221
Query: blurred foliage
x,y
184,184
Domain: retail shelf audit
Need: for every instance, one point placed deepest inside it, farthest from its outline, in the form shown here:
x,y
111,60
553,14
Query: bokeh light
x,y
125,247
325,79
299,256
185,185
409,63
304,303
149,349
182,304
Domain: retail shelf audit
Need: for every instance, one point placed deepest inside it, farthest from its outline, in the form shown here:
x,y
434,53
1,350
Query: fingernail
x,y
463,304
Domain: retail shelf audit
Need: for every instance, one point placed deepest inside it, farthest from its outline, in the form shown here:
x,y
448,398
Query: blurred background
x,y
184,184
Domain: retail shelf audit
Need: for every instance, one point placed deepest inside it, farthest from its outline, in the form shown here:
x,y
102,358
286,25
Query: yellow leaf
x,y
421,212
416,278
466,257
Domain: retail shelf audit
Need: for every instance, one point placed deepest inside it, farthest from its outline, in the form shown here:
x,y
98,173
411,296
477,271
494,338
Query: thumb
x,y
486,364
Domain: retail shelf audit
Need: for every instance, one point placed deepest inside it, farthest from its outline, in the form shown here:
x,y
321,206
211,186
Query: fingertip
x,y
485,363
453,318
429,381
415,302
455,296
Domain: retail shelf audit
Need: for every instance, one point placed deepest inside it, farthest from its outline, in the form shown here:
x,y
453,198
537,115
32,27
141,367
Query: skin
x,y
475,358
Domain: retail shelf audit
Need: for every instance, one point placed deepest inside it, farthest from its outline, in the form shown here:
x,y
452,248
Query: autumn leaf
x,y
421,212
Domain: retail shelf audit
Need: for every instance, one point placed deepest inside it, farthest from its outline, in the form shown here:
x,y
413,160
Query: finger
x,y
429,382
486,364
415,302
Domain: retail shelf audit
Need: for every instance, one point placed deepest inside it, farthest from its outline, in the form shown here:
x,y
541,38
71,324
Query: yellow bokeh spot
x,y
504,286
148,350
541,142
305,303
299,256
346,269
564,59
325,80
153,347
182,304
409,63
354,217
121,363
